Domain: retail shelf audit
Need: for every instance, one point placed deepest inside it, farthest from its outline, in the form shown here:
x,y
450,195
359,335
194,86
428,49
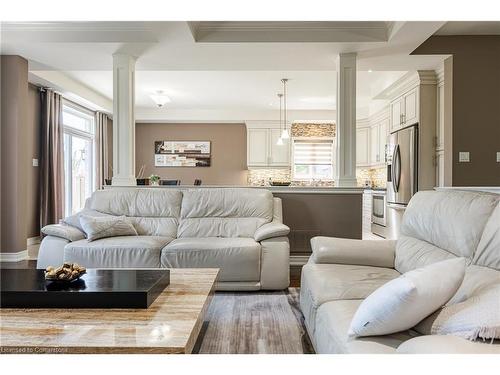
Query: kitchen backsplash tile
x,y
261,176
376,176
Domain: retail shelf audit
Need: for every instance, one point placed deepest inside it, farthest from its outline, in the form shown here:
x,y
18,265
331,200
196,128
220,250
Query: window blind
x,y
313,152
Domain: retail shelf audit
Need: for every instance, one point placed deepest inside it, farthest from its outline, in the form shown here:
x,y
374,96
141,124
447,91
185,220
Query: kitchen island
x,y
309,211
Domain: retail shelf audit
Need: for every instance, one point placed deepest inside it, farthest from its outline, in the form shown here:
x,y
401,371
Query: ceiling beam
x,y
289,32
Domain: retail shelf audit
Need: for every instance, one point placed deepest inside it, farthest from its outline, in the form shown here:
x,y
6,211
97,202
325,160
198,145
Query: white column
x,y
123,120
345,174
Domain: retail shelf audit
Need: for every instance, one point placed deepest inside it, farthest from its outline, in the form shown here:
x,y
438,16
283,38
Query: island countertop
x,y
274,189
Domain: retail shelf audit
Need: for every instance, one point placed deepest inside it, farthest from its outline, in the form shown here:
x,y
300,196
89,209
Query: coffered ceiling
x,y
220,65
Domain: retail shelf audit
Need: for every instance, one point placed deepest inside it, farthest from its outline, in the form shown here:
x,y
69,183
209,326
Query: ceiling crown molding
x,y
408,81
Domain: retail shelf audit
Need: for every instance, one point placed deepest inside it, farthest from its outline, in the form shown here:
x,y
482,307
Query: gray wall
x,y
229,151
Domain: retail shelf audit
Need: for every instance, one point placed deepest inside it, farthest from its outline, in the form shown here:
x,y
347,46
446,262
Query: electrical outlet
x,y
498,157
463,157
35,162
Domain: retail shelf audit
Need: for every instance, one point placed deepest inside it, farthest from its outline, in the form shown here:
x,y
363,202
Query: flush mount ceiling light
x,y
160,98
284,134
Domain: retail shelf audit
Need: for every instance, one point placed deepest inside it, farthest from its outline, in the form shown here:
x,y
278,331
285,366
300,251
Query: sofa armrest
x,y
377,253
271,230
447,344
63,231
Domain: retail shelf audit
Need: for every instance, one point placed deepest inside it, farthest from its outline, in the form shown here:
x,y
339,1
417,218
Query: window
x,y
78,156
313,159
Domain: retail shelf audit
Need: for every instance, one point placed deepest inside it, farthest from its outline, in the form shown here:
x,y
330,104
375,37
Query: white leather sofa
x,y
436,226
238,230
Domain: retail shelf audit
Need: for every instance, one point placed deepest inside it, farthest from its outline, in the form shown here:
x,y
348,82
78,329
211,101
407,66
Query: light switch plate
x,y
498,157
463,157
35,162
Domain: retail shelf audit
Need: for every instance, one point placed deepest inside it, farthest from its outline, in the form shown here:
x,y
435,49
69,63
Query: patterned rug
x,y
254,323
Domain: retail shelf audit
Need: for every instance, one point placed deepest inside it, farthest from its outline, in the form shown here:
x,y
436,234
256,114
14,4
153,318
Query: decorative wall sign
x,y
182,154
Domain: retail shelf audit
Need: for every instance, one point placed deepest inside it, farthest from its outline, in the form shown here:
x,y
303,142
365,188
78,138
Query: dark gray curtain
x,y
52,159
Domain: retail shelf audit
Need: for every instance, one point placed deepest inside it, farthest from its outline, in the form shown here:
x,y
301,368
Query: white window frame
x,y
312,139
87,135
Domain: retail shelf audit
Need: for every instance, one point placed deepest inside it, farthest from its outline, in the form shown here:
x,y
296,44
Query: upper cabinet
x,y
262,150
362,147
257,147
404,110
371,137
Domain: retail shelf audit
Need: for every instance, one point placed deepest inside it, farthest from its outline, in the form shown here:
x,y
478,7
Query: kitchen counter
x,y
274,189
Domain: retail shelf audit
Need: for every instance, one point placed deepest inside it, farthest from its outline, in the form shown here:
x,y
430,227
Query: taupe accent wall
x,y
14,155
475,105
228,147
33,152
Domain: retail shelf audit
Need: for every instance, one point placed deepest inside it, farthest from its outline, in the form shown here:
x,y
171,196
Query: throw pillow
x,y
101,227
74,220
476,317
405,301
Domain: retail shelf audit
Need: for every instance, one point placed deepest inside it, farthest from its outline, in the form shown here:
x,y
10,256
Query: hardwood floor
x,y
247,322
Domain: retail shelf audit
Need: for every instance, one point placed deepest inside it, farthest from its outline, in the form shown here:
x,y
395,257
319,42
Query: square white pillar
x,y
124,120
345,173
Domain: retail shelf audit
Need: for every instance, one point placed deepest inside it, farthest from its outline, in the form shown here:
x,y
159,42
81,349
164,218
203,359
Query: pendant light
x,y
285,134
280,140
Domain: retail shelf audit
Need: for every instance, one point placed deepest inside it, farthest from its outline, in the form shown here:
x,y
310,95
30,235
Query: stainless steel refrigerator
x,y
402,174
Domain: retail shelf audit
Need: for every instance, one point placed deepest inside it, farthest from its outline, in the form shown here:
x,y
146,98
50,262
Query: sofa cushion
x,y
332,323
450,220
137,202
224,212
488,250
322,283
412,253
237,258
117,252
153,212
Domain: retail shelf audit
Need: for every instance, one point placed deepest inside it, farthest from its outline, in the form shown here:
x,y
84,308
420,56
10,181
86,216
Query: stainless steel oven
x,y
379,213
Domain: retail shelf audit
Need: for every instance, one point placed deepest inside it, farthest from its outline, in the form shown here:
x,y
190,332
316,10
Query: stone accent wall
x,y
313,130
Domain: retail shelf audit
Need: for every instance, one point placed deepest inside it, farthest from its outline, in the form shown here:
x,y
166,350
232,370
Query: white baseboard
x,y
298,260
14,257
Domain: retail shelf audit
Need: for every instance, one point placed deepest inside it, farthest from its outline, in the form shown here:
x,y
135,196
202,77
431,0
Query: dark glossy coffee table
x,y
171,324
98,288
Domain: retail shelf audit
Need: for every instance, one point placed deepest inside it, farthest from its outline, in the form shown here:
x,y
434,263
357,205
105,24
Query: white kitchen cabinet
x,y
257,147
396,114
374,144
410,115
262,150
382,139
405,110
279,156
362,147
